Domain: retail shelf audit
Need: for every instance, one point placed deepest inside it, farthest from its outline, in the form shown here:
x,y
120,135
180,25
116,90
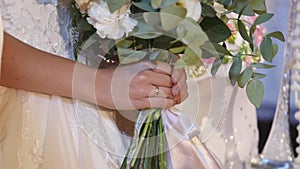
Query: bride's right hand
x,y
135,86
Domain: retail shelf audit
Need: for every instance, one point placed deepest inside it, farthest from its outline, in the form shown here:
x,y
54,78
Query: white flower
x,y
110,25
219,8
193,8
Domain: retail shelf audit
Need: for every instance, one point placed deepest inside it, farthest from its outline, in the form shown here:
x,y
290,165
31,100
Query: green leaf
x,y
179,64
154,55
164,56
258,75
177,49
115,4
215,67
156,3
245,76
243,32
168,3
171,15
145,31
221,49
258,5
277,34
255,92
262,65
275,50
235,70
146,6
152,18
266,49
263,18
208,10
191,58
190,33
127,56
124,43
215,28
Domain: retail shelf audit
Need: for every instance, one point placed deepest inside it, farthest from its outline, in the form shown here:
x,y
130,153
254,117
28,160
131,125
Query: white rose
x,y
110,25
193,8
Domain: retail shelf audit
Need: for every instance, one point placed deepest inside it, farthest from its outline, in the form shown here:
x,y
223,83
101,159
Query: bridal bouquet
x,y
195,30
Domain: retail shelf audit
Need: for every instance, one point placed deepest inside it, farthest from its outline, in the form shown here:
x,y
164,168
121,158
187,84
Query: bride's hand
x,y
140,85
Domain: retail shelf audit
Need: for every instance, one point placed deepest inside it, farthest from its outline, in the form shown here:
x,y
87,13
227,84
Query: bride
x,y
39,126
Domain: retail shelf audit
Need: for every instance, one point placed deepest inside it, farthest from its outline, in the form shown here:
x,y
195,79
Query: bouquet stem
x,y
151,145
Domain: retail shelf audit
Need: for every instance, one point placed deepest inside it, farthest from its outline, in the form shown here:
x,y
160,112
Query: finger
x,y
180,98
179,93
162,67
158,79
178,74
144,91
180,87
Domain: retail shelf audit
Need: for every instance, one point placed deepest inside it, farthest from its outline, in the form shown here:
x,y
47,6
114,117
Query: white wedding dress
x,y
40,131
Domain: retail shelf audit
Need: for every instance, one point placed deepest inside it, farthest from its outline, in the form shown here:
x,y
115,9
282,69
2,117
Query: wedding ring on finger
x,y
156,91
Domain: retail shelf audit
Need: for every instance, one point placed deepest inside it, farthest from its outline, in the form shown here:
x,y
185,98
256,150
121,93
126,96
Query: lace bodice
x,y
38,25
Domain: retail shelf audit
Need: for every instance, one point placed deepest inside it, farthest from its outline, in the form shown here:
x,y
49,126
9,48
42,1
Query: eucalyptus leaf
x,y
221,49
114,5
275,50
152,18
83,25
146,6
258,76
145,31
156,3
191,58
263,18
127,56
258,5
164,56
193,34
235,70
124,43
154,55
262,65
215,67
171,15
177,50
208,10
179,64
166,3
277,34
243,32
266,49
255,92
215,28
245,76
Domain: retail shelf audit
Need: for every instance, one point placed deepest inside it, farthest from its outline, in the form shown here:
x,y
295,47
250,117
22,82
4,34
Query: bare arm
x,y
27,68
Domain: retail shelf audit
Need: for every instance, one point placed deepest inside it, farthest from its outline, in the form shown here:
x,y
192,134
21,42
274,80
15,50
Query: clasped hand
x,y
141,85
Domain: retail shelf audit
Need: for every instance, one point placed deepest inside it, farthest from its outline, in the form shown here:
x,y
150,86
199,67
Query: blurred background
x,y
272,82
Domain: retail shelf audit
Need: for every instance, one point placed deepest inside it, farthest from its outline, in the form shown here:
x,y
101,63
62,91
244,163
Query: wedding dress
x,y
40,131
37,130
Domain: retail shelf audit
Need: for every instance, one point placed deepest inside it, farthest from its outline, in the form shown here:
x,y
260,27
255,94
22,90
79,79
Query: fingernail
x,y
175,90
